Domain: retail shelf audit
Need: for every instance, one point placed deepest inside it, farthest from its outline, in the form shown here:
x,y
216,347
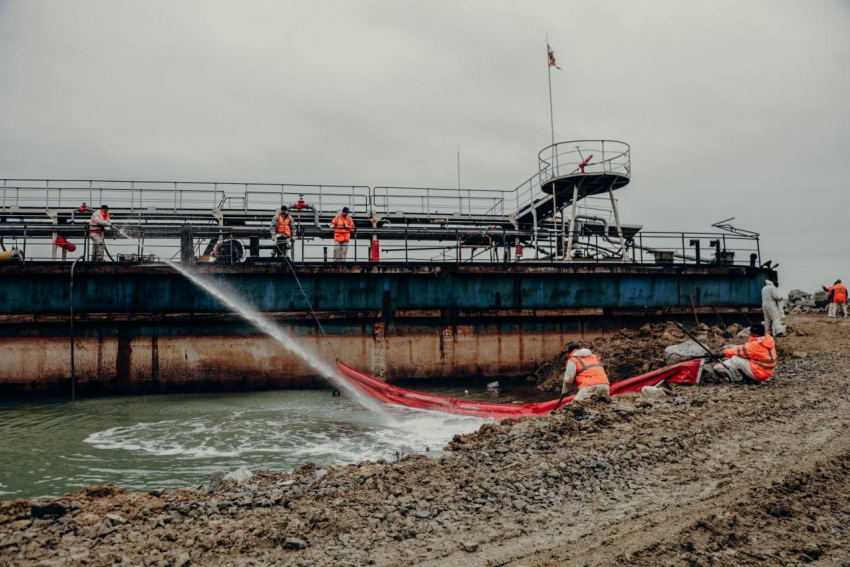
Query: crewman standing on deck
x,y
838,298
755,360
281,231
584,368
343,226
98,223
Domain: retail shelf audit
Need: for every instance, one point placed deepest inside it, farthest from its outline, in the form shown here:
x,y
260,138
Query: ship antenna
x,y
458,167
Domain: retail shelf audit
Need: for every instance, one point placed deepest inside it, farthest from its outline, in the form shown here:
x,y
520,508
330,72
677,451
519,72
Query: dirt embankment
x,y
630,352
719,475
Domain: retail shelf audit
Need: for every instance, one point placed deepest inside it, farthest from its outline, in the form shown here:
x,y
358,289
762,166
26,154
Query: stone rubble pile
x,y
801,302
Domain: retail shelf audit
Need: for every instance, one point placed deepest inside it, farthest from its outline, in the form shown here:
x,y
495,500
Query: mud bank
x,y
718,475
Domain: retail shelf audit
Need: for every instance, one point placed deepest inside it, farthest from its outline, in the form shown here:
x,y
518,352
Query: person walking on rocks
x,y
838,299
343,226
584,368
770,304
755,360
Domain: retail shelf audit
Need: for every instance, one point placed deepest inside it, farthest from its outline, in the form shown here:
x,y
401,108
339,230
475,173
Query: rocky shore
x,y
719,474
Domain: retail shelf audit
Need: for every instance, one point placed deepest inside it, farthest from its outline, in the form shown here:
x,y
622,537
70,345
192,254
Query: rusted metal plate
x,y
128,358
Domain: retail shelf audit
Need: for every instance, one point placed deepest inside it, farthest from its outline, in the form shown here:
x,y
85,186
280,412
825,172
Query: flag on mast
x,y
552,62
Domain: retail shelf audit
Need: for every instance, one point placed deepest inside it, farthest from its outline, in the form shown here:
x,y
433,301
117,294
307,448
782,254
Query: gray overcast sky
x,y
733,108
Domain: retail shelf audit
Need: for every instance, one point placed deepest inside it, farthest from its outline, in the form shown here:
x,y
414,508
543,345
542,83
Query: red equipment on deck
x,y
683,373
63,243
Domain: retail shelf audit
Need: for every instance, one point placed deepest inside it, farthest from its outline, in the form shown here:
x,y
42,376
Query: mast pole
x,y
554,164
551,109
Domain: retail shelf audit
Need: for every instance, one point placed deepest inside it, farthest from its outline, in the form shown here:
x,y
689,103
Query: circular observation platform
x,y
592,166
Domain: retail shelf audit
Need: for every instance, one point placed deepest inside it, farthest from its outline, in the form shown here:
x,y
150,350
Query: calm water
x,y
158,442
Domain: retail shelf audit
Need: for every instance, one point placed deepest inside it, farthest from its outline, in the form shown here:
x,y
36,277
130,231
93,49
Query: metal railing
x,y
594,243
175,195
585,157
443,201
564,158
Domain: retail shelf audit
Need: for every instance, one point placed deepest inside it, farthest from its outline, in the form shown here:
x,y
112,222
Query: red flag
x,y
552,62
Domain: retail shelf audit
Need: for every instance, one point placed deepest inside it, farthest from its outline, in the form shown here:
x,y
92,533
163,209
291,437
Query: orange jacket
x,y
589,371
761,352
283,224
97,218
343,227
839,293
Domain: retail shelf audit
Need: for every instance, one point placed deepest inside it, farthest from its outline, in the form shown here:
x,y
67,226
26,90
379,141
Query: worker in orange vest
x,y
838,302
343,226
98,223
584,368
755,360
281,231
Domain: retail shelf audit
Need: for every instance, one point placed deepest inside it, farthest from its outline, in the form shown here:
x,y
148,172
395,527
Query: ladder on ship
x,y
569,172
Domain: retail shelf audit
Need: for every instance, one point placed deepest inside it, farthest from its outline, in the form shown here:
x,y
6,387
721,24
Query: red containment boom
x,y
683,373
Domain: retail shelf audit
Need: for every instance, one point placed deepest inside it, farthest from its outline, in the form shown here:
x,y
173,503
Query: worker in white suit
x,y
771,305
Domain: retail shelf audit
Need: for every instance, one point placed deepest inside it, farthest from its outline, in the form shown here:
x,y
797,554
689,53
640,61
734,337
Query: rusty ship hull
x,y
146,329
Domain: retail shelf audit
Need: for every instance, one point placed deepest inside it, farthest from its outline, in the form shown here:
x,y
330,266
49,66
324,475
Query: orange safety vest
x,y
342,228
95,228
589,371
839,293
761,352
283,225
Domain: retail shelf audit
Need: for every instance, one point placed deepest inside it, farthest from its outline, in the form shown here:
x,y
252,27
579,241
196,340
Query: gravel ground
x,y
718,475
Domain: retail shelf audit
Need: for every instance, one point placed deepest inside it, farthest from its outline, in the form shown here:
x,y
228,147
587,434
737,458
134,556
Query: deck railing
x,y
564,158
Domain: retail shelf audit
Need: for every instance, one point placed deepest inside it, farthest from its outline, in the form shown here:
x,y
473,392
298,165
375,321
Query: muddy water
x,y
160,442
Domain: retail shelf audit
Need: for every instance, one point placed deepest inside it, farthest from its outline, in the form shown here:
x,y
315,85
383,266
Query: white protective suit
x,y
773,314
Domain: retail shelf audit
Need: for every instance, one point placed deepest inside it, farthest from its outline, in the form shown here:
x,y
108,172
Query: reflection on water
x,y
158,442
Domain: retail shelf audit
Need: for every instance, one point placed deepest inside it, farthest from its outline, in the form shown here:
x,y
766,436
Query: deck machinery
x,y
443,283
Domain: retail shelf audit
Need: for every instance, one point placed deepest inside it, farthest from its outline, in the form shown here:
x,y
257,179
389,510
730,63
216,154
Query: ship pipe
x,y
315,214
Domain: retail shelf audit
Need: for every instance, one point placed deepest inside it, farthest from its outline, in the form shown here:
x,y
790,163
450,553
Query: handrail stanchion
x,y
640,236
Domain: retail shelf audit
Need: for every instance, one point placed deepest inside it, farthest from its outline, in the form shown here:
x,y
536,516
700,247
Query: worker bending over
x,y
755,360
281,232
838,299
98,223
773,313
584,368
343,226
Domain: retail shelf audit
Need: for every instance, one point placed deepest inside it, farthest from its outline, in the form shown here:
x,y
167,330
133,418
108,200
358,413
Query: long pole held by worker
x,y
693,338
